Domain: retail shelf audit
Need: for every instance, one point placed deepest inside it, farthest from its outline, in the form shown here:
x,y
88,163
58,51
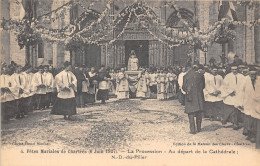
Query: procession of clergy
x,y
229,95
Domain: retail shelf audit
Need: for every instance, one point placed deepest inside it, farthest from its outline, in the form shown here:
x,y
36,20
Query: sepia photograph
x,y
130,82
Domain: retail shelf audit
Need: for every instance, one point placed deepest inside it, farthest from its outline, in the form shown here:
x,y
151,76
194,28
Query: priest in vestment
x,y
66,83
122,85
143,90
132,62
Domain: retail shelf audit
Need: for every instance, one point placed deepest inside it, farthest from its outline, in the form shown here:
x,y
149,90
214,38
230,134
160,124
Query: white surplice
x,y
27,87
6,82
19,83
256,103
63,79
153,78
48,81
38,79
180,81
212,84
249,97
233,83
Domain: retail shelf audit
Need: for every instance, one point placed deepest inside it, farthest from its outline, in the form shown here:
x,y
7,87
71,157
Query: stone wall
x,y
246,46
5,36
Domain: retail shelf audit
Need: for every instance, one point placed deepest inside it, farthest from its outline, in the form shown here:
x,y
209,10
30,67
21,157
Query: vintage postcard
x,y
130,82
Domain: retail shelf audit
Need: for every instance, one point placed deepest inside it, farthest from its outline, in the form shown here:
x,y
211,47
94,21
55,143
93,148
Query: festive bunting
x,y
31,32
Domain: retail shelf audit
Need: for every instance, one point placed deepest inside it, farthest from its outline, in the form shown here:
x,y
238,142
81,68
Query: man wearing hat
x,y
66,83
38,84
193,85
232,96
237,61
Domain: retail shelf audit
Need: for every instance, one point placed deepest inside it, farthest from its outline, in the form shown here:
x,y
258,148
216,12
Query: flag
x,y
227,10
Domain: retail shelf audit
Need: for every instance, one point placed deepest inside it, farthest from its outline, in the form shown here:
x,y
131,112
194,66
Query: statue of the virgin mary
x,y
132,61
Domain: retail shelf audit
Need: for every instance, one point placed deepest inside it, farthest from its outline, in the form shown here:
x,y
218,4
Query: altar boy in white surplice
x,y
66,83
38,85
49,83
8,103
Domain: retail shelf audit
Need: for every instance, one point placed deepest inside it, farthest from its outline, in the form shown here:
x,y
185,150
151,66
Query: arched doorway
x,y
141,48
88,54
136,37
181,53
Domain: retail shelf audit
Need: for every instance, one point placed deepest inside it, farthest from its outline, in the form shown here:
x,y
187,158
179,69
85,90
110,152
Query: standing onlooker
x,y
237,61
193,85
103,85
66,83
92,76
78,72
85,84
181,93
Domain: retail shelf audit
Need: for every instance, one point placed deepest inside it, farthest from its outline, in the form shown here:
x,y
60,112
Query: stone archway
x,y
88,54
181,53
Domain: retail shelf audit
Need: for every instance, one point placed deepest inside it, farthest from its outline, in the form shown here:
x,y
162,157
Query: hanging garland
x,y
29,33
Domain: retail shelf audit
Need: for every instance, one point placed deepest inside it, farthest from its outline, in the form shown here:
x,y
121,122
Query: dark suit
x,y
193,85
79,95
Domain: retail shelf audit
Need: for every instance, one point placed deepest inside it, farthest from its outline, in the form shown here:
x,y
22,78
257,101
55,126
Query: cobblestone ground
x,y
120,124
